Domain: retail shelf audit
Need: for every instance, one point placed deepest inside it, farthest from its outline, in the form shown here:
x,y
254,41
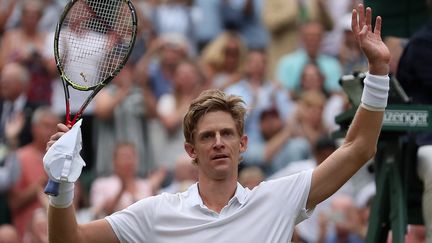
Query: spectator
x,y
166,131
343,216
123,187
208,21
15,113
337,9
14,128
308,120
258,92
25,44
223,59
49,18
185,174
291,65
155,70
277,146
175,17
312,80
244,17
121,116
283,19
27,193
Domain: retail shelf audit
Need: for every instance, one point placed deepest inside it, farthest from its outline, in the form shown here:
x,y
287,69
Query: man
x,y
15,113
217,208
290,66
276,145
26,195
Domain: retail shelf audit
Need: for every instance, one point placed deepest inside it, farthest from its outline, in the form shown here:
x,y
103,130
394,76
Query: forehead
x,y
214,121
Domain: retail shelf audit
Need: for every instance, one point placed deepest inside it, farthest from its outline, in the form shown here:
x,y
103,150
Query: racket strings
x,y
94,40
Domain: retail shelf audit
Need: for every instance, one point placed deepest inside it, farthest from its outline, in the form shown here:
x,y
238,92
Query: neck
x,y
216,194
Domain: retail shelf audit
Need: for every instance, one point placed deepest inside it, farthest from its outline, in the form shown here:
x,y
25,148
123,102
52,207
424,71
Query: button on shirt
x,y
266,214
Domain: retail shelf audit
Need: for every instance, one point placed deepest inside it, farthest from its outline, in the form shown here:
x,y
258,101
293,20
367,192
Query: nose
x,y
218,141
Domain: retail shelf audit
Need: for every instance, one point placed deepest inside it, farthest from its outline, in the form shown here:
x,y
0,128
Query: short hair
x,y
209,101
121,144
43,111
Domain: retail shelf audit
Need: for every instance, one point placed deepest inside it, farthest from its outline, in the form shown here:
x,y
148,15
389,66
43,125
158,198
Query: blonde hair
x,y
213,55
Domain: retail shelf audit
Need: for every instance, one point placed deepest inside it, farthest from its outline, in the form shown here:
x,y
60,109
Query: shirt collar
x,y
193,197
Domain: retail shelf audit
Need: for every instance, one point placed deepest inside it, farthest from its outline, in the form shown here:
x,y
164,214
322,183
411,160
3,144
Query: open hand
x,y
370,41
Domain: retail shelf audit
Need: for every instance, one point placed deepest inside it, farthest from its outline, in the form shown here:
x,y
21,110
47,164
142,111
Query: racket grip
x,y
52,188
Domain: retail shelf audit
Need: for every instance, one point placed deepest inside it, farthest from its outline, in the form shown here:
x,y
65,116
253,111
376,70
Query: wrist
x,y
65,197
379,68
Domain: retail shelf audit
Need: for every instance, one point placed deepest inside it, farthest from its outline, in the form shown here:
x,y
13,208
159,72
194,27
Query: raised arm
x,y
62,225
362,137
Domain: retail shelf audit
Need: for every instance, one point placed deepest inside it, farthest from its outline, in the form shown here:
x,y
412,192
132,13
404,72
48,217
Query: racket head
x,y
93,41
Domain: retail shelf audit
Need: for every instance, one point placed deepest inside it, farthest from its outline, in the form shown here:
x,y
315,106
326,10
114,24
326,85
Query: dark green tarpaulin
x,y
401,18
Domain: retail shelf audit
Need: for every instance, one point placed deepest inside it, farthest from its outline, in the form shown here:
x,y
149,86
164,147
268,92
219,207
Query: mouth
x,y
219,156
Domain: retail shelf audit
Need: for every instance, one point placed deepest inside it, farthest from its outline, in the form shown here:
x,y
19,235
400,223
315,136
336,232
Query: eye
x,y
227,133
206,136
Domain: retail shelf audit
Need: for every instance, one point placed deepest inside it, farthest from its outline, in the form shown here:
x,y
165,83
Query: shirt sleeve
x,y
134,224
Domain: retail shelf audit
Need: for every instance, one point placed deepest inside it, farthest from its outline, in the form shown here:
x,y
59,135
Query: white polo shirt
x,y
266,214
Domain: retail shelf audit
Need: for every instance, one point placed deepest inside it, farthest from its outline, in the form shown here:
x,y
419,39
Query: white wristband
x,y
375,92
65,197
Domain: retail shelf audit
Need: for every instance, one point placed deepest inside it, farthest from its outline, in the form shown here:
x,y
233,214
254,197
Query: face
x,y
172,54
256,64
232,54
270,125
10,85
43,129
217,146
312,79
31,16
125,161
312,35
186,77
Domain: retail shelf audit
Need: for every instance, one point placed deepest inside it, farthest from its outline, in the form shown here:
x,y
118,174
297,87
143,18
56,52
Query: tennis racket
x,y
92,43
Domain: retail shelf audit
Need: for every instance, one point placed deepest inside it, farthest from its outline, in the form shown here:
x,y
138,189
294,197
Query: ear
x,y
190,149
243,143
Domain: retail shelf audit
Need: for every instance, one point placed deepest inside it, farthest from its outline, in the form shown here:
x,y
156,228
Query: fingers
x,y
378,24
361,15
354,23
369,18
62,129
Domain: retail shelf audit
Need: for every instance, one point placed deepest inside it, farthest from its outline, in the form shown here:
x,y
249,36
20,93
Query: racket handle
x,y
52,188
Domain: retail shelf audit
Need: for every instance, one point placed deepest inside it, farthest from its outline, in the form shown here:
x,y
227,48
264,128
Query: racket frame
x,y
52,187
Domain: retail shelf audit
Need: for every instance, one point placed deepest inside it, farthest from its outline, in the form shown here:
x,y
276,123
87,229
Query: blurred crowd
x,y
283,57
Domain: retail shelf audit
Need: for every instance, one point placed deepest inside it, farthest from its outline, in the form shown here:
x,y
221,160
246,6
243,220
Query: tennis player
x,y
217,208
